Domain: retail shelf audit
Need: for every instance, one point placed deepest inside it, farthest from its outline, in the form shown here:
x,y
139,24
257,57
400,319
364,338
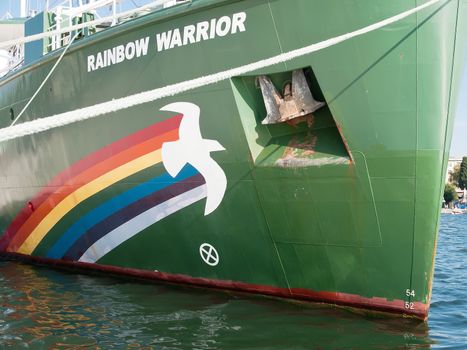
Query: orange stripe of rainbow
x,y
94,173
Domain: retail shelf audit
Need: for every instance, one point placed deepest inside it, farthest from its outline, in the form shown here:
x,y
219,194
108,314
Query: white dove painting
x,y
192,149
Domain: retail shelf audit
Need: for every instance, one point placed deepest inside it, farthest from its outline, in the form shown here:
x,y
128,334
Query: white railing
x,y
124,16
68,20
66,14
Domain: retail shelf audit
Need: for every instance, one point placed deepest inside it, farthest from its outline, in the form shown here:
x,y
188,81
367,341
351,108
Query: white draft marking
x,y
209,254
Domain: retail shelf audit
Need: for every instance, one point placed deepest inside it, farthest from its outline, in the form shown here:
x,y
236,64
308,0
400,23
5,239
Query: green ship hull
x,y
340,206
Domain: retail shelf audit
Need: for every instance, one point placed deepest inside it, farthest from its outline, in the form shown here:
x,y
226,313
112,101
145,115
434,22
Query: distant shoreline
x,y
453,211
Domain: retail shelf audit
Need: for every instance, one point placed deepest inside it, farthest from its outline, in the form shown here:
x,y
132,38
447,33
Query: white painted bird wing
x,y
189,127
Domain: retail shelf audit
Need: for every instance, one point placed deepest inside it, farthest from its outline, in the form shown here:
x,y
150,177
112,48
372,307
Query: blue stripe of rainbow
x,y
92,218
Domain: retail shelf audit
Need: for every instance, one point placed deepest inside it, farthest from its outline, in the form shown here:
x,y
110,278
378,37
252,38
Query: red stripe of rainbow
x,y
73,185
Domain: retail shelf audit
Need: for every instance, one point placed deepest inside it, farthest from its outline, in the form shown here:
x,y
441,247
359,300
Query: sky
x,y
459,140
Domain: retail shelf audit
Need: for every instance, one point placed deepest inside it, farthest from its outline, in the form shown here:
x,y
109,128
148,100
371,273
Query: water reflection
x,y
448,312
44,309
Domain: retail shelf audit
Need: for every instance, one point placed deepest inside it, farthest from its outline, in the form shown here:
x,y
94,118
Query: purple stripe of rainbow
x,y
129,212
83,172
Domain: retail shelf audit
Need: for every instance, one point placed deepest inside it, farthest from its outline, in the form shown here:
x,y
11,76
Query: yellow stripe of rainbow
x,y
83,193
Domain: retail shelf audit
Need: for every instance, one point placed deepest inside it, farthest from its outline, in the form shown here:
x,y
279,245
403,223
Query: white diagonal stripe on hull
x,y
106,108
139,223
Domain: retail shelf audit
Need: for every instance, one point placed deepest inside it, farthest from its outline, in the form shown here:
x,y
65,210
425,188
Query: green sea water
x,y
42,308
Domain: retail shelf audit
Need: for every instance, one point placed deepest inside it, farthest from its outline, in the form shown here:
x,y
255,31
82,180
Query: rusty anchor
x,y
297,100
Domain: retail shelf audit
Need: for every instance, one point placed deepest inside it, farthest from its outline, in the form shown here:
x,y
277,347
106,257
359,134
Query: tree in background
x,y
450,193
462,180
454,174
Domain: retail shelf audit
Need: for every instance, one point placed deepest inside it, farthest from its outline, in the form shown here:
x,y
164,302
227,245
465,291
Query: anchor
x,y
297,100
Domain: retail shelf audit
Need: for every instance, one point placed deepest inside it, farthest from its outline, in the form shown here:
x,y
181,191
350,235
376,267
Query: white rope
x,y
45,80
81,114
49,34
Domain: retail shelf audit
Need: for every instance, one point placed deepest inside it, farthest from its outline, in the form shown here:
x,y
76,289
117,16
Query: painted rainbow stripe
x,y
12,238
119,210
189,193
90,176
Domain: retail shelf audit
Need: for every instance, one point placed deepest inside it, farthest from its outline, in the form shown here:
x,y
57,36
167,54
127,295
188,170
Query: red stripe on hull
x,y
419,310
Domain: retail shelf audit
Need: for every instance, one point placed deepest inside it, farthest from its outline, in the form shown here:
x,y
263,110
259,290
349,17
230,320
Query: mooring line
x,y
45,79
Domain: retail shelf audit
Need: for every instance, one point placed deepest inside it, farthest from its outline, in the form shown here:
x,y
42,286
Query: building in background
x,y
452,163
